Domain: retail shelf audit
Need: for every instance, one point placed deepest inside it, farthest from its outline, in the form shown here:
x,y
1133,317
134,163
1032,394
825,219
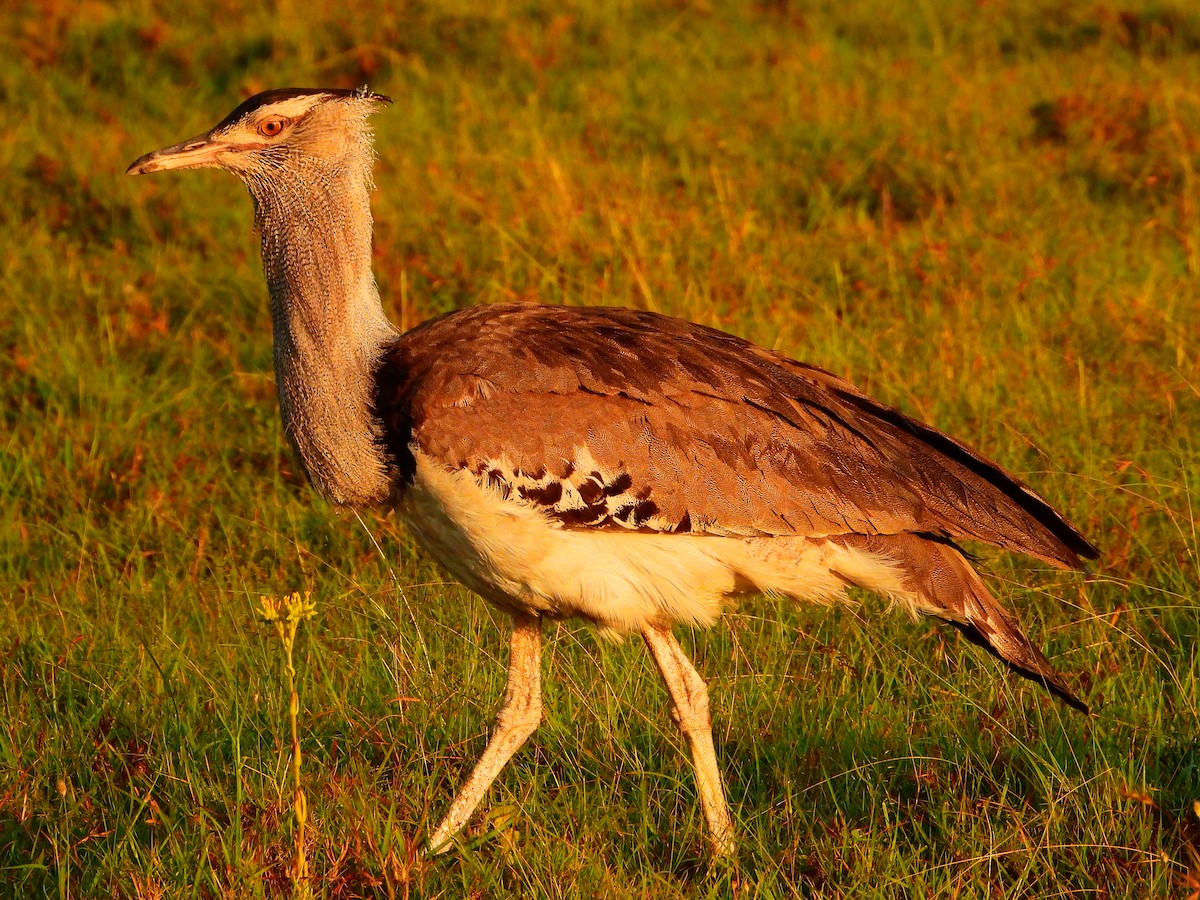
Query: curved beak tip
x,y
140,166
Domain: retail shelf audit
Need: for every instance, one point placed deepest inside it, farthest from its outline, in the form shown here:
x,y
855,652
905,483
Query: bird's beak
x,y
199,152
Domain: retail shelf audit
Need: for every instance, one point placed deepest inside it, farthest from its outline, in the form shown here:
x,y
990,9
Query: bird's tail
x,y
937,580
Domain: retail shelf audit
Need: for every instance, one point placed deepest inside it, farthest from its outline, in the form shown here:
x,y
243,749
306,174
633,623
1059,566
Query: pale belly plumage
x,y
517,557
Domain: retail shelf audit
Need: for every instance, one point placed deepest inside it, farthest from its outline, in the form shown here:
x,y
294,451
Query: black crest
x,y
274,96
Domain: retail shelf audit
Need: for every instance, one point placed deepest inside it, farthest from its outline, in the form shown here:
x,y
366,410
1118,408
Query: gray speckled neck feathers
x,y
330,329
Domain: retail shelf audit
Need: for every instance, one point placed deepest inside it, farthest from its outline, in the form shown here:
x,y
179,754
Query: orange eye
x,y
271,127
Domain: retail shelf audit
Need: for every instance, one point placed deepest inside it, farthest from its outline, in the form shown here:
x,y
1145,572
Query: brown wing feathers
x,y
1065,545
712,431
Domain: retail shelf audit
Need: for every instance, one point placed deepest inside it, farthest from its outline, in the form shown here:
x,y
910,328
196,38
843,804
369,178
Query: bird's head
x,y
278,135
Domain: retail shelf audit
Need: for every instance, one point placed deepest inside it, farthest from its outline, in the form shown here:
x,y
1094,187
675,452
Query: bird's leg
x,y
517,720
689,693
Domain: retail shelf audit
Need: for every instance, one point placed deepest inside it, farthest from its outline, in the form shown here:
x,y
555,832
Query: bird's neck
x,y
330,329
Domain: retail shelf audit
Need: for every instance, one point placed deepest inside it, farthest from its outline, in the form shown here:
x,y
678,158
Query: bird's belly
x,y
519,559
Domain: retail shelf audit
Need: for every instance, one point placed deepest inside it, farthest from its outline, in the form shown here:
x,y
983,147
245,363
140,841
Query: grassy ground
x,y
985,213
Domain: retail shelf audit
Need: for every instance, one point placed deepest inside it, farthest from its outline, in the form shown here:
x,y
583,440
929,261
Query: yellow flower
x,y
291,609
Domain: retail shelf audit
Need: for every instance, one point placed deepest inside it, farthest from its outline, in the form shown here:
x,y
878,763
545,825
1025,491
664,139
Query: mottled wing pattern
x,y
621,418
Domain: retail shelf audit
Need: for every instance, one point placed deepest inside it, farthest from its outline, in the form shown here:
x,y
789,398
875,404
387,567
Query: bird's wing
x,y
620,418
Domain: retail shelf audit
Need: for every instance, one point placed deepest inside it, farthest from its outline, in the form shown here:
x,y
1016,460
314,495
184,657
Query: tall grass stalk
x,y
286,614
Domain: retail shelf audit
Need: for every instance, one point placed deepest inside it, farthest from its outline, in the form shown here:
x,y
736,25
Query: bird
x,y
619,466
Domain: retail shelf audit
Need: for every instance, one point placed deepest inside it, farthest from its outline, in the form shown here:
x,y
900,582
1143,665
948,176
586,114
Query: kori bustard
x,y
624,467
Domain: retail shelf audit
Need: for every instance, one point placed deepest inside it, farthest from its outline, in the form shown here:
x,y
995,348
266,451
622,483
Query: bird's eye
x,y
271,127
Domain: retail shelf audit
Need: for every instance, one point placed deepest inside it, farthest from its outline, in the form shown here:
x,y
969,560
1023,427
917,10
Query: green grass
x,y
985,213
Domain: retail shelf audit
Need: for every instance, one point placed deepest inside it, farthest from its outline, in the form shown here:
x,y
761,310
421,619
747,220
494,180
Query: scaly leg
x,y
516,721
689,693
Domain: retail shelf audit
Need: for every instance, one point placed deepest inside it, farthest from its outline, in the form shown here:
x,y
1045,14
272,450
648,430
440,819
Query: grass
x,y
983,213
